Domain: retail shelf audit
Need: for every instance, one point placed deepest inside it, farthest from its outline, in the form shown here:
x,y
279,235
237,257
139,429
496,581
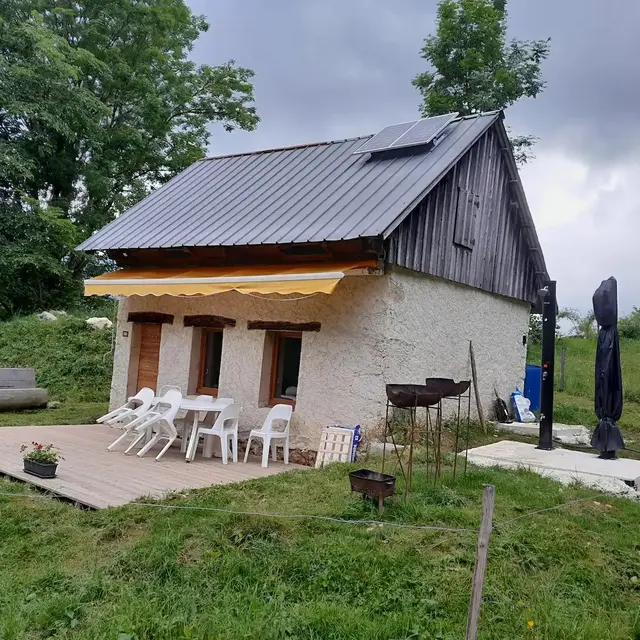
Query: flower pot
x,y
40,469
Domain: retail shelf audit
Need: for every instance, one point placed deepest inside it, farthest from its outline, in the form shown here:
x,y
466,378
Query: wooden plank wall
x,y
500,261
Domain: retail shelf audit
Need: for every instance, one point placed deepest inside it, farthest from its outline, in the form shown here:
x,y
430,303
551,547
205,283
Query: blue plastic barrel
x,y
533,385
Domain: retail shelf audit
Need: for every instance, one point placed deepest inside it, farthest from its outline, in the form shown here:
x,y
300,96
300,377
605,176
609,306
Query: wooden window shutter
x,y
464,234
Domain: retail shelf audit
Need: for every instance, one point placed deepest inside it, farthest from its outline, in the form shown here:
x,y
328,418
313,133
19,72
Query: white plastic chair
x,y
160,421
162,391
132,409
187,428
270,437
225,427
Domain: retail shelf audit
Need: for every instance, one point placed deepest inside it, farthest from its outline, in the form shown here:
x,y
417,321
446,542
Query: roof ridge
x,y
328,142
287,148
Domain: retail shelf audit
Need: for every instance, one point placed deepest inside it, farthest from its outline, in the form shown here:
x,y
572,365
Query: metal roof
x,y
312,193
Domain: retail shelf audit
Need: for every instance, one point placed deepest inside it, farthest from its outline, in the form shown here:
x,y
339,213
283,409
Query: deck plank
x,y
94,477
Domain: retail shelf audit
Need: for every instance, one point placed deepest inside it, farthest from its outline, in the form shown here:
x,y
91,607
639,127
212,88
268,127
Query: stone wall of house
x,y
341,366
399,327
431,323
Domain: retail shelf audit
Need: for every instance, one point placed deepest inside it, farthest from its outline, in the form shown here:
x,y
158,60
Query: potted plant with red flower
x,y
41,460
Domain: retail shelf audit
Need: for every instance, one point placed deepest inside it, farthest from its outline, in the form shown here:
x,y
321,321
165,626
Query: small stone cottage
x,y
314,275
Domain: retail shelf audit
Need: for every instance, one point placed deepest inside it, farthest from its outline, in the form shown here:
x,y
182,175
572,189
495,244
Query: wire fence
x,y
487,526
304,516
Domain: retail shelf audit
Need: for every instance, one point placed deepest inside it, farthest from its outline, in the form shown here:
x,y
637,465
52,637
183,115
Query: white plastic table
x,y
197,407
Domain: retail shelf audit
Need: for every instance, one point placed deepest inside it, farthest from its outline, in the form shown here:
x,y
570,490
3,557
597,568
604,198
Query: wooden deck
x,y
94,477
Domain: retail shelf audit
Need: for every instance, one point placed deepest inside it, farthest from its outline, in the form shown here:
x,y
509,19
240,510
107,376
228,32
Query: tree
x,y
474,69
37,262
582,326
99,102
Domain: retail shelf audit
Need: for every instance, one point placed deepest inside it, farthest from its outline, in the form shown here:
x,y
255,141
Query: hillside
x,y
71,360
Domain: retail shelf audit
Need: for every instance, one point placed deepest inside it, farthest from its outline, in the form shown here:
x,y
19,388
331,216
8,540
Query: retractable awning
x,y
282,279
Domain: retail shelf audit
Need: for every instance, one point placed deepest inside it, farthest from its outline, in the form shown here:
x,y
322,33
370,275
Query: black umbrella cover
x,y
608,392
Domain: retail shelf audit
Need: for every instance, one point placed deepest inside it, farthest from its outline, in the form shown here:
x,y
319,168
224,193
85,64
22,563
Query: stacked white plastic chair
x,y
269,437
132,409
155,425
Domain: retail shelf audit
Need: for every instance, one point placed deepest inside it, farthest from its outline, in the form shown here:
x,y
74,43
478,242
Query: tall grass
x,y
72,360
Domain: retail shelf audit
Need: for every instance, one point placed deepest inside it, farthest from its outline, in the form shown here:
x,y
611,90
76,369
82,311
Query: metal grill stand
x,y
430,396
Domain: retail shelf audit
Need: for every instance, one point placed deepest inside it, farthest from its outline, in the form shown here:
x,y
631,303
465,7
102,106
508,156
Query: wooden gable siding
x,y
500,260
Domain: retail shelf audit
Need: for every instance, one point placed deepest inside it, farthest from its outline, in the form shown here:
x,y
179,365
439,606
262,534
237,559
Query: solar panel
x,y
407,134
424,131
385,138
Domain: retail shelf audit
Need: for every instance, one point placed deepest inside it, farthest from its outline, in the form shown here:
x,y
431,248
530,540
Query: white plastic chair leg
x,y
148,446
234,438
136,440
274,450
193,445
285,451
246,451
119,440
224,448
266,442
108,416
165,448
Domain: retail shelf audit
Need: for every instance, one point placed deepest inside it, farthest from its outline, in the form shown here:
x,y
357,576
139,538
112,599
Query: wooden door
x,y
149,356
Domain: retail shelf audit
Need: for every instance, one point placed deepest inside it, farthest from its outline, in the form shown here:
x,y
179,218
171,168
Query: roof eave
x,y
535,249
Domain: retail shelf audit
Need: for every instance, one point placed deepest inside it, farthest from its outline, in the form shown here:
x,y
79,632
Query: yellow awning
x,y
282,279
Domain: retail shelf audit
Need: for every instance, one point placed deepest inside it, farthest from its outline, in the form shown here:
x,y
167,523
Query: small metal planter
x,y
373,485
40,470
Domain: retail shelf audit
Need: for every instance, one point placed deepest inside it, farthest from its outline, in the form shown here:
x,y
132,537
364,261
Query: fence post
x,y
563,360
488,497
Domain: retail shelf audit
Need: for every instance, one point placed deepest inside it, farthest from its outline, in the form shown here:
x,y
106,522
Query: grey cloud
x,y
324,69
328,69
592,95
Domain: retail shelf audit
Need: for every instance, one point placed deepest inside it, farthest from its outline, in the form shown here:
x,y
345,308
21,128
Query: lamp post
x,y
548,297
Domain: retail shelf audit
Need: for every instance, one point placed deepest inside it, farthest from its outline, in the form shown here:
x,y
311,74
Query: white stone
x,y
45,316
563,465
396,328
57,314
100,323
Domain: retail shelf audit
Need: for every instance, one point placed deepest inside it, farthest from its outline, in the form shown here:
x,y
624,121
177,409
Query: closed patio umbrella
x,y
608,389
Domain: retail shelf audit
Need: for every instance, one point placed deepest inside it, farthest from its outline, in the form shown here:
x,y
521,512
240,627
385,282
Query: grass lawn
x,y
67,413
148,573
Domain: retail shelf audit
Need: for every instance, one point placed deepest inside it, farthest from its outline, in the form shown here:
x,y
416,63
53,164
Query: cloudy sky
x,y
328,69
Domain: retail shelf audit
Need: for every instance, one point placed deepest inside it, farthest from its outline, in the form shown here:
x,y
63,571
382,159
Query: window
x,y
210,361
285,367
464,234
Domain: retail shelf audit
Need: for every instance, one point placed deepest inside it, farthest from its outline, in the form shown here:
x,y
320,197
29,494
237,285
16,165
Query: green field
x,y
574,405
148,573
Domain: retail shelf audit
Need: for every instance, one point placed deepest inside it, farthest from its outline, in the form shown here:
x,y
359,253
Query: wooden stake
x,y
488,497
474,376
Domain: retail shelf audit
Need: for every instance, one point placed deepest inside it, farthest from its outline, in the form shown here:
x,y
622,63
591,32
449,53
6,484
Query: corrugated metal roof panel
x,y
312,193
